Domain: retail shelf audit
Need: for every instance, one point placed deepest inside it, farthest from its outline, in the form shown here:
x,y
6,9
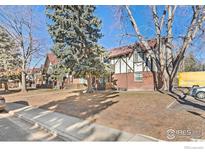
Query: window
x,y
138,76
138,57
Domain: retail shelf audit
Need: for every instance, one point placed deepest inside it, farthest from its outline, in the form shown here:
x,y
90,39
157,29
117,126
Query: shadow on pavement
x,y
194,105
182,99
197,114
12,91
3,92
16,105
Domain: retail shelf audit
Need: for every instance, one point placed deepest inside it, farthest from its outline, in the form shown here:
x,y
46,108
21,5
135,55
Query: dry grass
x,y
147,113
134,112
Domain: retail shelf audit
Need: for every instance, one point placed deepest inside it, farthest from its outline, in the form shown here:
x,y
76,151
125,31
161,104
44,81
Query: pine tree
x,y
9,60
75,32
58,73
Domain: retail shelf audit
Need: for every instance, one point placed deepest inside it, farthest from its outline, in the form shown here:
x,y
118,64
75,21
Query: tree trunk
x,y
89,84
6,88
170,85
23,82
59,84
156,80
167,83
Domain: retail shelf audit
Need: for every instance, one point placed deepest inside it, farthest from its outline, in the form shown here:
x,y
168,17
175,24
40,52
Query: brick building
x,y
132,67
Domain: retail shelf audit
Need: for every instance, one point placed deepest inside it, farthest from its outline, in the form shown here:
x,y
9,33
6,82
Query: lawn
x,y
149,113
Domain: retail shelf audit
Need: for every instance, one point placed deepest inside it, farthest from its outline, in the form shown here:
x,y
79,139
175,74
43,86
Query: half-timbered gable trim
x,y
132,66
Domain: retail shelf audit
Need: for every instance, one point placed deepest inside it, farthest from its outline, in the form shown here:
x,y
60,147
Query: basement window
x,y
138,76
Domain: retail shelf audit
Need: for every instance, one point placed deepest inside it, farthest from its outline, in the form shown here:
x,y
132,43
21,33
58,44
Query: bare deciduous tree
x,y
166,56
20,25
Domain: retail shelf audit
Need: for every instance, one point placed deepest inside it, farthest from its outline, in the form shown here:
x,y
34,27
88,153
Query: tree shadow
x,y
3,92
70,128
83,105
200,100
182,99
12,91
197,114
22,102
16,105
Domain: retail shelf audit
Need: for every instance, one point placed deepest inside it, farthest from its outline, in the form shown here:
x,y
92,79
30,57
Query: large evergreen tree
x,y
9,60
75,31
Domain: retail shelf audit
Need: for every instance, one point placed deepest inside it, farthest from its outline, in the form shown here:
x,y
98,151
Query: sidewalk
x,y
71,128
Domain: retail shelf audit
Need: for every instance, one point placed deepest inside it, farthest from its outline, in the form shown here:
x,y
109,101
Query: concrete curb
x,y
71,128
45,127
61,134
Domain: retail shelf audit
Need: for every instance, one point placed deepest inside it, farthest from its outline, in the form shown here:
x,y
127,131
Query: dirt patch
x,y
135,112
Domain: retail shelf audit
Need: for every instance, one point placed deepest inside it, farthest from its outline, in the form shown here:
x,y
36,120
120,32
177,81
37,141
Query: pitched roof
x,y
52,58
125,50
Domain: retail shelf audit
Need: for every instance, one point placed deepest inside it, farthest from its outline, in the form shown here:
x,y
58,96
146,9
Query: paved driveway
x,y
191,104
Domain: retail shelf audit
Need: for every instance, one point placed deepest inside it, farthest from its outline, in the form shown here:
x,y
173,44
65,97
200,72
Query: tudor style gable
x,y
132,66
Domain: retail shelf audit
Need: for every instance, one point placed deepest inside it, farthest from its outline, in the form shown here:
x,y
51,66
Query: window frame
x,y
140,76
137,55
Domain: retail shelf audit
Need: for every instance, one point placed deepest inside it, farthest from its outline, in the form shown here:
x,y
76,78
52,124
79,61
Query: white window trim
x,y
135,77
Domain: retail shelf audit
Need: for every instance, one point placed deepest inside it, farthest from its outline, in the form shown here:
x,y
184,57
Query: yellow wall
x,y
188,79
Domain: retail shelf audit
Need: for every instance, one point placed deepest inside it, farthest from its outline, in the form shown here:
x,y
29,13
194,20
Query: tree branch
x,y
140,37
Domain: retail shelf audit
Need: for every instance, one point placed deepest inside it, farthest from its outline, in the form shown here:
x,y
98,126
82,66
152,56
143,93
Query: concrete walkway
x,y
15,129
71,128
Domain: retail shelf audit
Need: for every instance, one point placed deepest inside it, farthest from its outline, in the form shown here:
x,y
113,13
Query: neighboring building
x,y
10,78
132,67
68,80
34,77
50,61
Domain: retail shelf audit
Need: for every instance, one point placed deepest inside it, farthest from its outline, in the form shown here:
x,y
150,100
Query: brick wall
x,y
126,81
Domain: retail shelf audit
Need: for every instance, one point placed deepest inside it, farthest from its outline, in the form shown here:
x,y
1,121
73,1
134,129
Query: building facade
x,y
69,81
132,67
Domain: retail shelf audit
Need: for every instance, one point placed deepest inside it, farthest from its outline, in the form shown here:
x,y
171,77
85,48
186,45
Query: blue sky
x,y
113,30
111,33
110,29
